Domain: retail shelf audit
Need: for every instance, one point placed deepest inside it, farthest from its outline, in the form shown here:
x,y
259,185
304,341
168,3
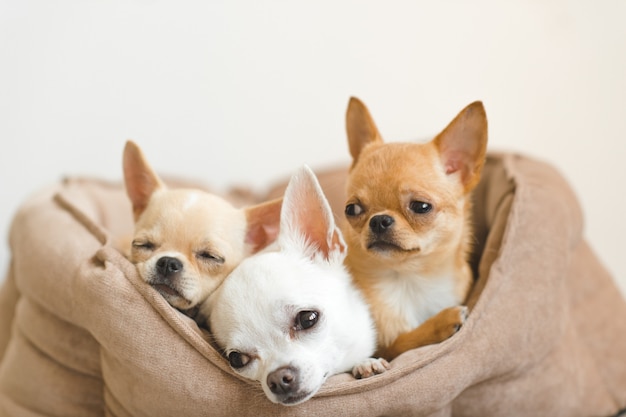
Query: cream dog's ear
x,y
263,223
141,181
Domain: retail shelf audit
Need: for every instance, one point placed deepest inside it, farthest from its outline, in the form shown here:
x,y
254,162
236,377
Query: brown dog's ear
x,y
263,223
360,127
140,179
462,145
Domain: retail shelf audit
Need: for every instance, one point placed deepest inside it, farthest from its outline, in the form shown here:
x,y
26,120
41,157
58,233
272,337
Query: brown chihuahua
x,y
408,226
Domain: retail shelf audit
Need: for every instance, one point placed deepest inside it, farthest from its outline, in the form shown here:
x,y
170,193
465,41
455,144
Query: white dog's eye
x,y
353,210
237,359
306,319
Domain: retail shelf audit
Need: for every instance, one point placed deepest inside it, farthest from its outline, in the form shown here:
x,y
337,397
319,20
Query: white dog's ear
x,y
307,219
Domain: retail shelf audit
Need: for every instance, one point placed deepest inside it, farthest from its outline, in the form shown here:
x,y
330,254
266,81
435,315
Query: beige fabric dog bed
x,y
82,335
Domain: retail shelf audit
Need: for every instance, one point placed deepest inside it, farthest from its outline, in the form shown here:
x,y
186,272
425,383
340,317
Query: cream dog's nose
x,y
167,266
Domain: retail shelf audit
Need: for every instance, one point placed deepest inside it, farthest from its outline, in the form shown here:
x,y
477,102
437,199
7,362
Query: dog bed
x,y
82,335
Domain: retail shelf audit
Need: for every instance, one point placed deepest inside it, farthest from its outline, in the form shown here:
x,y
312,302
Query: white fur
x,y
417,298
254,310
191,199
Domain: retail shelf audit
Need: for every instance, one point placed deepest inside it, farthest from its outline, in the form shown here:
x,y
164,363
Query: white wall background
x,y
240,91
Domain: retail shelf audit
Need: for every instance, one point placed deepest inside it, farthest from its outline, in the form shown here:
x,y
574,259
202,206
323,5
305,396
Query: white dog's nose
x,y
283,381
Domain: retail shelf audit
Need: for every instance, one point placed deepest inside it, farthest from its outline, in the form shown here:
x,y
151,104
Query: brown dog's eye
x,y
306,319
420,207
353,210
237,359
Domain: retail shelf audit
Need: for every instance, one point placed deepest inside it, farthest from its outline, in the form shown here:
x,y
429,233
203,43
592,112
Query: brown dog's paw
x,y
436,329
370,367
456,317
447,322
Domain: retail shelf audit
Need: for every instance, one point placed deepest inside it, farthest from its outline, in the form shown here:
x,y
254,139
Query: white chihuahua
x,y
290,318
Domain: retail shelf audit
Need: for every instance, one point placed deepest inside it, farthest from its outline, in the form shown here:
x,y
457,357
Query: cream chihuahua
x,y
408,226
186,241
291,317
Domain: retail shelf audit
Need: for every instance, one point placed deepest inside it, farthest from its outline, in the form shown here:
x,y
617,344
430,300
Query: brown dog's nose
x,y
380,223
283,381
167,266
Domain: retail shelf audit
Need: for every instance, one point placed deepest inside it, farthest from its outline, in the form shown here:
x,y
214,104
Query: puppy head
x,y
186,241
407,201
291,318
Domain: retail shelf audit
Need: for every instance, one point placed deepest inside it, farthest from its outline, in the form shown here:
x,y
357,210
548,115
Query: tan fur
x,y
423,254
202,231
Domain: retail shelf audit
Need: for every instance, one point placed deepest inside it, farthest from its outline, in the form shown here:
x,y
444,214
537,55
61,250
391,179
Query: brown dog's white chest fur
x,y
400,302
